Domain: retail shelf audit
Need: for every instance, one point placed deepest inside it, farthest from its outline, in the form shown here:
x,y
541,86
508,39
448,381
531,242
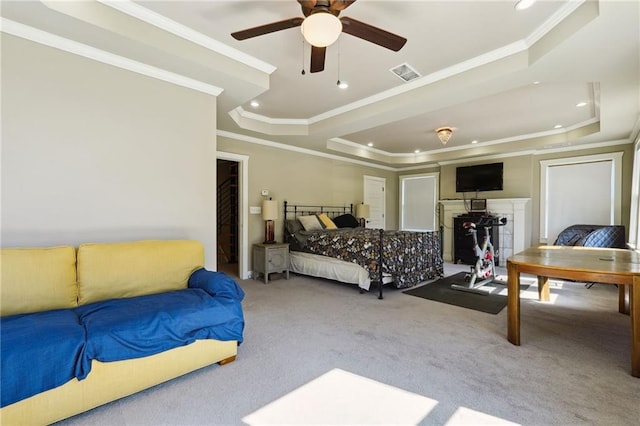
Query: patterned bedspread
x,y
409,257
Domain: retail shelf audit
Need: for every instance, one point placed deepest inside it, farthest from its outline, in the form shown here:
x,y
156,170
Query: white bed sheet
x,y
334,269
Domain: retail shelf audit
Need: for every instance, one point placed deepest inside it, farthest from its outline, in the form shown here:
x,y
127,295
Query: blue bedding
x,y
30,344
44,350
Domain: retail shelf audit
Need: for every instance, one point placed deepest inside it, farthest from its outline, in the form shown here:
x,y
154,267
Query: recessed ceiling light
x,y
417,151
581,104
524,4
370,144
255,104
558,126
474,141
536,82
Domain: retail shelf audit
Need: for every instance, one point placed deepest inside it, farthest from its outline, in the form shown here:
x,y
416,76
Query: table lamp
x,y
362,213
269,214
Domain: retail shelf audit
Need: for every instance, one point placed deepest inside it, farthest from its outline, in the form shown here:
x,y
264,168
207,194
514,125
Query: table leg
x,y
623,302
513,303
543,289
634,308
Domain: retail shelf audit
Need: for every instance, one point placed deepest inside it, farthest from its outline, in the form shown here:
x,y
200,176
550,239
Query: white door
x,y
374,196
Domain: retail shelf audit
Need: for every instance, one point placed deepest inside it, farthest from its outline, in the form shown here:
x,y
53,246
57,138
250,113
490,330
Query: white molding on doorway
x,y
243,160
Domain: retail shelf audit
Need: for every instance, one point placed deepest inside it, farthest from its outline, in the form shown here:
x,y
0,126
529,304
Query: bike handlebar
x,y
486,222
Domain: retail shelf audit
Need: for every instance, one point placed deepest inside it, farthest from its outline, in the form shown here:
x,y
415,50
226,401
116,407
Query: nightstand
x,y
268,258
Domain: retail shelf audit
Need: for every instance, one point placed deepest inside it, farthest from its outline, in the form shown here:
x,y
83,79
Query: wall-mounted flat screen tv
x,y
483,177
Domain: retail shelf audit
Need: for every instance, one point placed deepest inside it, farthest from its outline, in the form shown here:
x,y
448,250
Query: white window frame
x,y
435,177
616,186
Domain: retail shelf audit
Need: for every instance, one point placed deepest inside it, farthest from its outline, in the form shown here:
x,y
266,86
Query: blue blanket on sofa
x,y
121,329
38,352
44,350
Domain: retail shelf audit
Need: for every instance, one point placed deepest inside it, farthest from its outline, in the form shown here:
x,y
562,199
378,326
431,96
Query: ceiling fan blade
x,y
267,28
373,34
338,5
307,6
317,58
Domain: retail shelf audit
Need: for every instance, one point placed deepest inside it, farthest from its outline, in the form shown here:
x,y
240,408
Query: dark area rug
x,y
441,291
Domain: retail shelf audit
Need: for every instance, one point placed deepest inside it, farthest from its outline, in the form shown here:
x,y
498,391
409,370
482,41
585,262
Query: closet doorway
x,y
231,214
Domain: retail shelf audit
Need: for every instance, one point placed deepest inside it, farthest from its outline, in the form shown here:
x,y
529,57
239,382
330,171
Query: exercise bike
x,y
484,270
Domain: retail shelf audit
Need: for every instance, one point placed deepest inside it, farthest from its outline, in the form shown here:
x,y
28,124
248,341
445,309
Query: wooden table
x,y
607,266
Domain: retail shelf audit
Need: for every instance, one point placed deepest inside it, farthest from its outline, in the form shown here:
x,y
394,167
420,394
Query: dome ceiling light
x,y
321,29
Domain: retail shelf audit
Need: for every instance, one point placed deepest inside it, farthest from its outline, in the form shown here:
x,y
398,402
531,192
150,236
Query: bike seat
x,y
467,225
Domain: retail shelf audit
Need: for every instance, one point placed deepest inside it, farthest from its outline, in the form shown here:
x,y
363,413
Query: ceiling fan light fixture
x,y
321,29
444,134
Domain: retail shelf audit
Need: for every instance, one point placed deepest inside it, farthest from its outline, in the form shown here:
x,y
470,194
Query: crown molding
x,y
503,52
307,151
353,148
150,17
560,15
42,37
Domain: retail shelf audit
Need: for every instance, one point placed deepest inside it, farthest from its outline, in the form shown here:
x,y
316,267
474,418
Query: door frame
x,y
243,208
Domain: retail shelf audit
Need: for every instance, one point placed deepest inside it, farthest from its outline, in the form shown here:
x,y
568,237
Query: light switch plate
x,y
255,209
265,192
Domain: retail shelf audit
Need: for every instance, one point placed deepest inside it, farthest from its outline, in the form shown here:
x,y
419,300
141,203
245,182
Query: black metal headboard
x,y
295,210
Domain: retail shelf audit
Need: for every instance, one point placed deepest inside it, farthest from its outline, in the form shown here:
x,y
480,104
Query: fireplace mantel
x,y
515,236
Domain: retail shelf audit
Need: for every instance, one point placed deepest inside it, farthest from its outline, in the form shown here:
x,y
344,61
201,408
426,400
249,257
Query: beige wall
x,y
304,179
91,152
522,180
518,178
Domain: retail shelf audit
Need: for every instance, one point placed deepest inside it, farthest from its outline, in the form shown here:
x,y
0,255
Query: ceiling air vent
x,y
405,72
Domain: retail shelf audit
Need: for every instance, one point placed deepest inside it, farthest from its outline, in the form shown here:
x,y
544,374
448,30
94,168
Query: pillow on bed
x,y
310,223
326,221
346,221
292,226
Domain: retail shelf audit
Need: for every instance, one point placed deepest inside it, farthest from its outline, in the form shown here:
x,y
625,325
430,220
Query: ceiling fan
x,y
321,27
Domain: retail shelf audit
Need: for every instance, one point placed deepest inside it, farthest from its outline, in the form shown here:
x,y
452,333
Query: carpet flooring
x,y
441,291
317,352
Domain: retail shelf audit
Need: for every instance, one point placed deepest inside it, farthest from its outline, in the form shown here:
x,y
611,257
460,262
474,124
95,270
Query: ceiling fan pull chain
x,y
338,82
303,71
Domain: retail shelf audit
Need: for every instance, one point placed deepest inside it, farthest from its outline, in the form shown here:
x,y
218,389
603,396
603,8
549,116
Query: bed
x,y
326,242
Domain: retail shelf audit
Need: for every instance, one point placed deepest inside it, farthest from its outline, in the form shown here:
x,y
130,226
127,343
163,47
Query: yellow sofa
x,y
41,279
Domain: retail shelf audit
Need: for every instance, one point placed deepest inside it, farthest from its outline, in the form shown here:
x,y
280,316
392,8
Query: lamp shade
x,y
269,210
362,211
321,29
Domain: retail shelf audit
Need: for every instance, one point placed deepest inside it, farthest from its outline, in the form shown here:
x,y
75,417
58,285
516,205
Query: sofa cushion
x,y
117,270
37,279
